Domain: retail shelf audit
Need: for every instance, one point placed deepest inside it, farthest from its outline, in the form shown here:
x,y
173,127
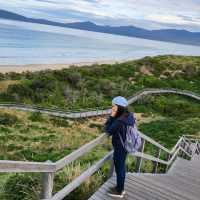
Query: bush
x,y
36,117
107,87
7,119
19,89
74,78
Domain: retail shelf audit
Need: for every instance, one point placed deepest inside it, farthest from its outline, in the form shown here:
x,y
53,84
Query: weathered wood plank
x,y
22,166
158,188
130,193
149,157
144,191
79,152
47,185
178,186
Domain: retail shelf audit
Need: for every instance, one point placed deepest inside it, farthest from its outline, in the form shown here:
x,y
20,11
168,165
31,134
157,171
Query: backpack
x,y
133,139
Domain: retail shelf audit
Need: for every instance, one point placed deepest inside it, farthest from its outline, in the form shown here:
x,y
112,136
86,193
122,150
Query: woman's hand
x,y
114,110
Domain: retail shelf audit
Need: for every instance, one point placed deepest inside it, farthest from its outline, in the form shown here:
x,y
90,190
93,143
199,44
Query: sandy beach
x,y
40,67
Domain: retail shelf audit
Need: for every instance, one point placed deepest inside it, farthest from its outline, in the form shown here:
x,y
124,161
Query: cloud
x,y
151,13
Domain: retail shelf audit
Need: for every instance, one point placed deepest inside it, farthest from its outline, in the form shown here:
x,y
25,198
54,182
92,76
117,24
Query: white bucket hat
x,y
121,101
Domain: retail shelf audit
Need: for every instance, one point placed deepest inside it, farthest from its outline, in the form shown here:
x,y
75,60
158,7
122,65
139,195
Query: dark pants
x,y
119,158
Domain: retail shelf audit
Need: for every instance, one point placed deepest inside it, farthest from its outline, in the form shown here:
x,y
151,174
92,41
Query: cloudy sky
x,y
149,14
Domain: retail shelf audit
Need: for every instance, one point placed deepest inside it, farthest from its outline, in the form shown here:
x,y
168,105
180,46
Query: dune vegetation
x,y
38,137
94,86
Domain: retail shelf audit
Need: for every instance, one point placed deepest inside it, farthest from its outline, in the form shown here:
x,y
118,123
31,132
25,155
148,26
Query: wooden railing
x,y
48,169
90,112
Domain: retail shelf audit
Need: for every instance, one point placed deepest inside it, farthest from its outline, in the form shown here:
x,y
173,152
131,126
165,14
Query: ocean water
x,y
25,43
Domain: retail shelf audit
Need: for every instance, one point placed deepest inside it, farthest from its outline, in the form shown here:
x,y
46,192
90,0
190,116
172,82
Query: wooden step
x,y
179,184
182,182
184,165
166,189
159,191
196,158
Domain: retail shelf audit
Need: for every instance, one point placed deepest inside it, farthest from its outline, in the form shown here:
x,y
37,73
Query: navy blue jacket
x,y
116,126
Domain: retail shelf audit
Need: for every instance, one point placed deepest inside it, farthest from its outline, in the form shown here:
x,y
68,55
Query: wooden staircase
x,y
181,182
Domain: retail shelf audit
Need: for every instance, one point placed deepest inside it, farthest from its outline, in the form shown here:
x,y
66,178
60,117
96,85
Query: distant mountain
x,y
168,35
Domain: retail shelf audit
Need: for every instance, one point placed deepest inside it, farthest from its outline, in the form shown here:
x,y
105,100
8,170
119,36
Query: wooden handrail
x,y
79,152
23,166
26,166
193,136
150,140
148,157
176,146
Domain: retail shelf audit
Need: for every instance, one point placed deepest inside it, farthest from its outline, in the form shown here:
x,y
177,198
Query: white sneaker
x,y
114,193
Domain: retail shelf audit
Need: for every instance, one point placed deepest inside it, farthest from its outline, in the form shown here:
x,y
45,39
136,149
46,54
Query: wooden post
x,y
155,164
112,167
183,146
47,184
198,148
168,158
139,159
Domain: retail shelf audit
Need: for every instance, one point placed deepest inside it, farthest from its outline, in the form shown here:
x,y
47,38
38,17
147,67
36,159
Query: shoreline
x,y
57,66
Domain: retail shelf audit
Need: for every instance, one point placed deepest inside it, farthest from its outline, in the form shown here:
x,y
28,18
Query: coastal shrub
x,y
152,82
14,75
168,105
74,78
5,97
107,87
190,71
36,117
19,89
8,119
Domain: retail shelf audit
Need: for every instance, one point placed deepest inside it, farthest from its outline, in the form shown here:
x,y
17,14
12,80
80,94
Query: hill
x,y
94,86
168,35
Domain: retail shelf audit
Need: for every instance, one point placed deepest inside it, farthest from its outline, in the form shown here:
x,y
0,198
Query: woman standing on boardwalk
x,y
116,126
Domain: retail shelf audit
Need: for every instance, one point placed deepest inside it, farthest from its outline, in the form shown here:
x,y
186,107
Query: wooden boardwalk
x,y
76,114
182,182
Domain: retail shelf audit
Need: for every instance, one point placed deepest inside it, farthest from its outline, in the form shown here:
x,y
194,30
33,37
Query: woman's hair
x,y
121,110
